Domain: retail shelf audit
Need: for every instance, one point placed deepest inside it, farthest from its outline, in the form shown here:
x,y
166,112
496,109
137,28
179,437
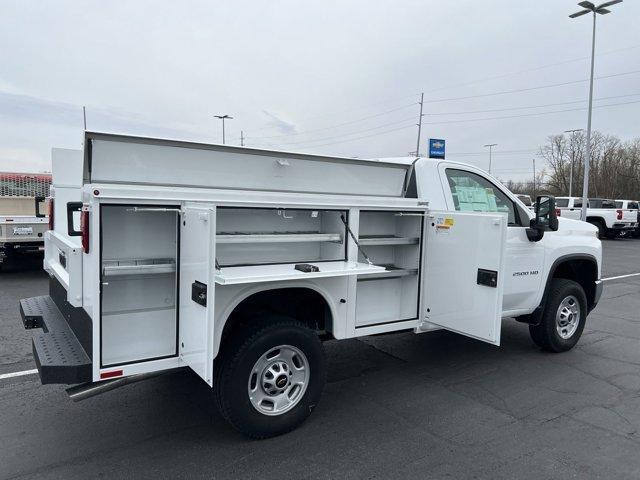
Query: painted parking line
x,y
34,371
18,374
620,276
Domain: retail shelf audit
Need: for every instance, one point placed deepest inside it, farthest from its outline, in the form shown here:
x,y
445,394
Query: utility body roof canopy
x,y
121,159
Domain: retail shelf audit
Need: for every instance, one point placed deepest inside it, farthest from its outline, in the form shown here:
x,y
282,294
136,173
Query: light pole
x,y
490,145
572,158
600,10
534,178
223,118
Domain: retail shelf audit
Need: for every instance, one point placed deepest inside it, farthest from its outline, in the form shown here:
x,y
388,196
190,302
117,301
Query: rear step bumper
x,y
58,354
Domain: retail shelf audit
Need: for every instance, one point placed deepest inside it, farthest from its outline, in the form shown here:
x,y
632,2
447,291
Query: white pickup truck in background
x,y
22,226
610,220
634,206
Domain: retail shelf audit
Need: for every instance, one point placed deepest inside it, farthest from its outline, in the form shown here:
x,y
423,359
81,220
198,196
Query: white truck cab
x,y
238,262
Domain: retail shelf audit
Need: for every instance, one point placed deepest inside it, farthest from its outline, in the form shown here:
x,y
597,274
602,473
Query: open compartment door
x,y
464,273
197,283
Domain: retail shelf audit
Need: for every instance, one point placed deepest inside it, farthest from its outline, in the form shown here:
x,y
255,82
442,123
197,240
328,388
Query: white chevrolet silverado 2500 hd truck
x,y
237,263
610,221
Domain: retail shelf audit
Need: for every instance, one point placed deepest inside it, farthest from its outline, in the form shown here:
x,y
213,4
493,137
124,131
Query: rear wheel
x,y
269,380
602,229
564,317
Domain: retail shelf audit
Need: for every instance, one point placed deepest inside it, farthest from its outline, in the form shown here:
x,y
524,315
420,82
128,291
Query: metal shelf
x,y
287,271
387,240
391,272
285,237
114,268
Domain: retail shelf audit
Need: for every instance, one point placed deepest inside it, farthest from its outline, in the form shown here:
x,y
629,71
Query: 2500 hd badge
x,y
524,274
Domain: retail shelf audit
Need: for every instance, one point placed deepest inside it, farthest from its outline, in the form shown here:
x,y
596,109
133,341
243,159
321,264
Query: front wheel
x,y
269,380
564,317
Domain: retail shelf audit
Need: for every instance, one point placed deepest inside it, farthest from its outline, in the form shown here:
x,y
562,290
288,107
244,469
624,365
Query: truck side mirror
x,y
546,218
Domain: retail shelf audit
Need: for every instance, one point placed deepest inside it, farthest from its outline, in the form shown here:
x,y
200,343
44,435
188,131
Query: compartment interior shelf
x,y
391,271
286,237
113,268
387,240
271,273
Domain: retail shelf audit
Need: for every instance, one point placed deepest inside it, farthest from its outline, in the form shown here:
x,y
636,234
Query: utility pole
x,y
600,10
573,154
534,178
490,145
223,118
420,124
241,138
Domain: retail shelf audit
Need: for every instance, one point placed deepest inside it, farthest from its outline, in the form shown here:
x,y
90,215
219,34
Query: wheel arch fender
x,y
223,322
579,267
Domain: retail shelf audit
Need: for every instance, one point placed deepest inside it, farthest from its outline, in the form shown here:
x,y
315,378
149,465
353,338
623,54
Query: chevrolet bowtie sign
x,y
436,148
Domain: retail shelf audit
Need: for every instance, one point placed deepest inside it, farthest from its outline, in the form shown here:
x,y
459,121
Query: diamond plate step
x,y
58,354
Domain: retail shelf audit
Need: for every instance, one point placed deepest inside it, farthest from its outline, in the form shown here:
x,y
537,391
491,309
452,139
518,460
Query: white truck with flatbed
x,y
237,263
610,221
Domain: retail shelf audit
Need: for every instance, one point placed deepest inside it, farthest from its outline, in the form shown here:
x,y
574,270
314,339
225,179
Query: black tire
x,y
233,369
546,335
602,229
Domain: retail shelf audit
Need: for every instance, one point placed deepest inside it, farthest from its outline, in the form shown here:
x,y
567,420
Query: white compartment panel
x,y
131,336
147,161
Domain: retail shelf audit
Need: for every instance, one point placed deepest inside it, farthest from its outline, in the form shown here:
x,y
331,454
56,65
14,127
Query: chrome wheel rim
x,y
278,380
568,317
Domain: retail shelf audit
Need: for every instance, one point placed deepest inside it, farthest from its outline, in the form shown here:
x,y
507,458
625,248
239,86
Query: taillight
x,y
50,212
557,212
619,212
84,228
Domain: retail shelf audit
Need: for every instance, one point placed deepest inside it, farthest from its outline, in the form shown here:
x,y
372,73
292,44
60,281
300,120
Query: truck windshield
x,y
473,193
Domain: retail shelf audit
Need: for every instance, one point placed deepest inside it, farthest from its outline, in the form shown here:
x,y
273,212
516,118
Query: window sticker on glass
x,y
475,199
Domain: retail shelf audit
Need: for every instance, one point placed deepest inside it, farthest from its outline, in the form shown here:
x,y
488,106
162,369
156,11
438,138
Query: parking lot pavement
x,y
437,405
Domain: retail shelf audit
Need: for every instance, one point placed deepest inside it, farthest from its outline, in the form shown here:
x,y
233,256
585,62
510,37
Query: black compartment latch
x,y
487,277
199,293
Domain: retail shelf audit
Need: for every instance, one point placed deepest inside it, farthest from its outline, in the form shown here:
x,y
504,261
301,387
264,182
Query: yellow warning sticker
x,y
444,224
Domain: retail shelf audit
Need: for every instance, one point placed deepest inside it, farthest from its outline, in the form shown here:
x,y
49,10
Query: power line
x,y
335,112
365,136
540,87
528,114
339,124
453,113
530,106
460,121
532,69
540,67
309,143
412,119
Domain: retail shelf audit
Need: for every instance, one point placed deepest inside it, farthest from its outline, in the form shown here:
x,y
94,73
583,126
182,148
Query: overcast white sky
x,y
332,77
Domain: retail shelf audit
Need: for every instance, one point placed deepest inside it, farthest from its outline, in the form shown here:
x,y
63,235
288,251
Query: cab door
x,y
197,282
464,273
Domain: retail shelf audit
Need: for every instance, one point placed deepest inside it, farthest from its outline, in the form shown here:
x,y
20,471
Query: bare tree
x,y
614,168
